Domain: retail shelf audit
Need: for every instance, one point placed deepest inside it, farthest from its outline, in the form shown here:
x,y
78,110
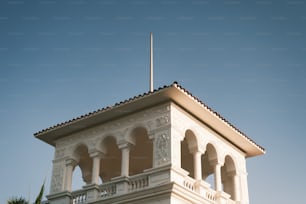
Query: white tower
x,y
164,146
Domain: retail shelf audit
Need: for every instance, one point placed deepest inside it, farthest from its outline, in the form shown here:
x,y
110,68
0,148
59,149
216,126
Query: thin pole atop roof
x,y
151,62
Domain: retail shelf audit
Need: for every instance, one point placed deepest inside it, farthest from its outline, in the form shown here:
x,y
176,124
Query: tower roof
x,y
172,93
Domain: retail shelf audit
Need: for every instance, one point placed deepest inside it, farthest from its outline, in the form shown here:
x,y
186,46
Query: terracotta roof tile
x,y
174,84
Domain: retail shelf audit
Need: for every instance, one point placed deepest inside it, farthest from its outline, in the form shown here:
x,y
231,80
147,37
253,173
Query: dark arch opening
x,y
141,155
84,164
187,145
228,172
110,165
208,160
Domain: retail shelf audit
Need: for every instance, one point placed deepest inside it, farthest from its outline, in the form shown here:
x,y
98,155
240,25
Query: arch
x,y
141,154
77,181
214,151
228,173
84,161
110,163
231,165
105,141
78,149
208,161
191,139
130,136
188,146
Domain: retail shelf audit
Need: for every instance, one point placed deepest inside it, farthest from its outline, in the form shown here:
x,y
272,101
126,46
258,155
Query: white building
x,y
164,146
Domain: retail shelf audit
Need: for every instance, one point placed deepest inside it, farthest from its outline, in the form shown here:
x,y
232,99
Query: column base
x,y
92,192
222,197
122,184
60,198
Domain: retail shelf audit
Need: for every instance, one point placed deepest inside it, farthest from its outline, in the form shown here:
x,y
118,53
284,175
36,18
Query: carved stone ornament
x,y
163,120
162,149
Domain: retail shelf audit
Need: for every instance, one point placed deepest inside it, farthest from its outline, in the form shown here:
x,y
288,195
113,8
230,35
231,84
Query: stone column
x,y
70,164
197,165
125,158
96,157
236,187
92,189
218,183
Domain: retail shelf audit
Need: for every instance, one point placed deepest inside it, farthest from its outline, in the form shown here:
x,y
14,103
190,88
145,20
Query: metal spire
x,y
151,62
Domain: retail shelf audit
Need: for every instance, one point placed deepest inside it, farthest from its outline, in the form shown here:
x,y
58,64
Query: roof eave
x,y
173,93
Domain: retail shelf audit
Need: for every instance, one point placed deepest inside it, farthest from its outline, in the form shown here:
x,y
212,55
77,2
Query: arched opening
x,y
77,181
84,163
110,165
208,164
228,173
141,155
188,145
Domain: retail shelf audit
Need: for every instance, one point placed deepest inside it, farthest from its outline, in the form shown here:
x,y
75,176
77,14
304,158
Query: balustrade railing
x,y
138,182
107,190
210,195
189,183
79,197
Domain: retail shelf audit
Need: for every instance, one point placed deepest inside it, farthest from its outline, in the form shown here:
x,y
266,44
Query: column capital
x,y
96,153
195,150
71,162
124,145
151,134
216,162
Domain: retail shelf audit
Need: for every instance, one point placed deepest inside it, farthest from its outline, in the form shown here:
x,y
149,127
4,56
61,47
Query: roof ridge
x,y
175,83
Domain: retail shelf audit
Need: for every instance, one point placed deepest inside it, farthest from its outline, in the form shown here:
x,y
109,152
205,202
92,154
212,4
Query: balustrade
x,y
210,195
189,183
139,182
107,190
78,197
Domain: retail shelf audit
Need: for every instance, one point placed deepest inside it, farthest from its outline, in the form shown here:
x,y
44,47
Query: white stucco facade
x,y
163,147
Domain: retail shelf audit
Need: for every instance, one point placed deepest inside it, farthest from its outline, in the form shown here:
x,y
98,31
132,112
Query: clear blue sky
x,y
245,59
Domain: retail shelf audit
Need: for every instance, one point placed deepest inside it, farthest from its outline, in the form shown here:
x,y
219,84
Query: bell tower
x,y
165,146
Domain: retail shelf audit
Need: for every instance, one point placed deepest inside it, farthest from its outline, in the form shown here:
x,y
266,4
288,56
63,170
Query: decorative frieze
x,y
163,120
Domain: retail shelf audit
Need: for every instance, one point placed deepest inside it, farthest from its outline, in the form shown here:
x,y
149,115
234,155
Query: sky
x,y
60,59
